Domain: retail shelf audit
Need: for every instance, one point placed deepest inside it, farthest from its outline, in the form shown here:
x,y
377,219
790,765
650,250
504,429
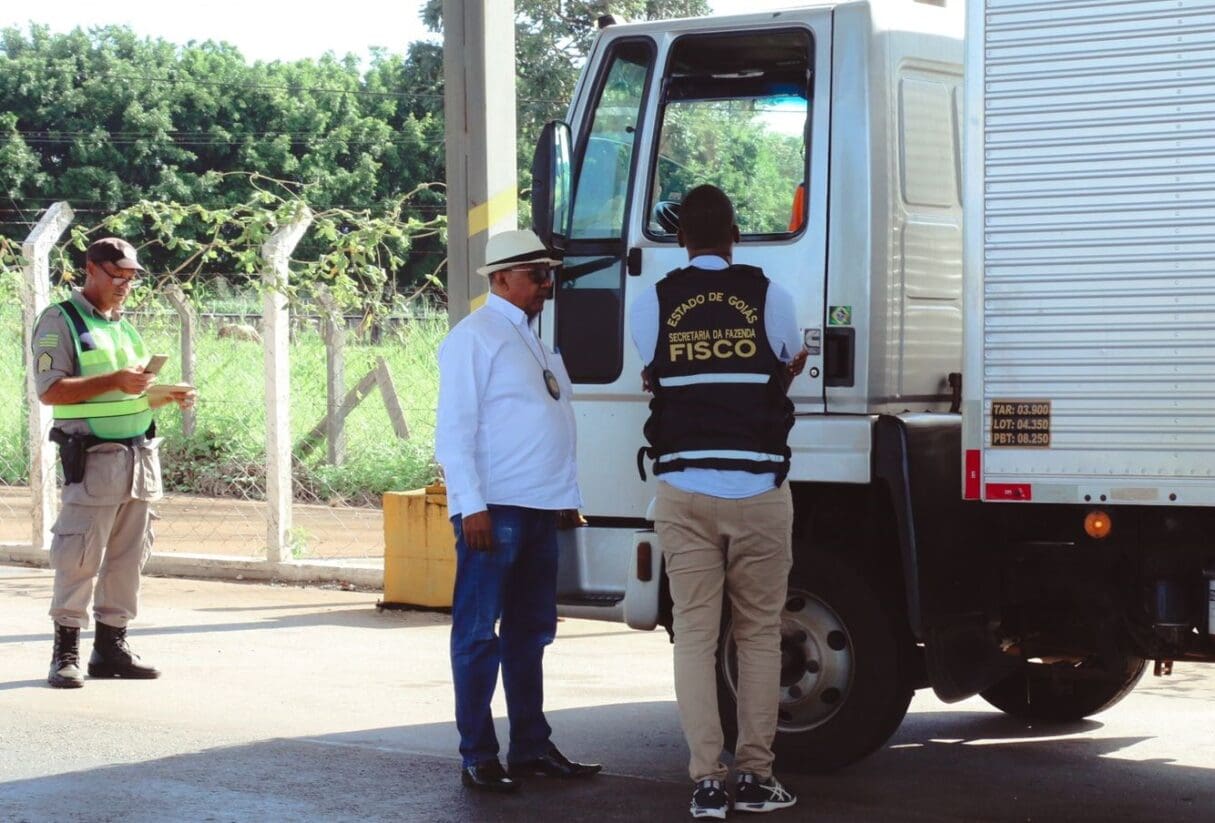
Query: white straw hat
x,y
515,248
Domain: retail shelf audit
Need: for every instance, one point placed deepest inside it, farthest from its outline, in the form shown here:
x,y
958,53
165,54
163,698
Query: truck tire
x,y
844,676
1064,693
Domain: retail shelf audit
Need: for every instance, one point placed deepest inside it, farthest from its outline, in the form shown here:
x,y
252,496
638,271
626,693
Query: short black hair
x,y
706,217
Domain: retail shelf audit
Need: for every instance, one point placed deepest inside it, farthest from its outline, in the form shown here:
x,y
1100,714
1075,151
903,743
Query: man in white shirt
x,y
505,437
721,345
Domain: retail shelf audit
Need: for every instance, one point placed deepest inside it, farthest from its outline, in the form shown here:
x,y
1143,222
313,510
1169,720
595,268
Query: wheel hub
x,y
816,663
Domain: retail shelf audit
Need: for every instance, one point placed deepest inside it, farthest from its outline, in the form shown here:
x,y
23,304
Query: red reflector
x,y
645,561
1008,491
970,485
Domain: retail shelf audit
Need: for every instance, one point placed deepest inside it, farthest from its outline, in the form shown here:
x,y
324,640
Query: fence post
x,y
334,326
187,316
35,296
276,252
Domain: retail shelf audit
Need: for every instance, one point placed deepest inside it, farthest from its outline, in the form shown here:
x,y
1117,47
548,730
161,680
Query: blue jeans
x,y
516,582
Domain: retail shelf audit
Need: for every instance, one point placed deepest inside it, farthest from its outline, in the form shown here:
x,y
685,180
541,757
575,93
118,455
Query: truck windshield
x,y
734,114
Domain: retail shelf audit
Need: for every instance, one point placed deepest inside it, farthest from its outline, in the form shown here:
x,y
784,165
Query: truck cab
x,y
1001,466
835,130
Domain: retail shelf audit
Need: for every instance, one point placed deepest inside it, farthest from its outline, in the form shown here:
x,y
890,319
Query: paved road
x,y
305,704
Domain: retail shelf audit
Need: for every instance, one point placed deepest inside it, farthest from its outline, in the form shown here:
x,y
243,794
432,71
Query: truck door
x,y
660,111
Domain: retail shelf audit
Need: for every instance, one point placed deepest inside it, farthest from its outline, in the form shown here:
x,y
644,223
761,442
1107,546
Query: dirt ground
x,y
237,528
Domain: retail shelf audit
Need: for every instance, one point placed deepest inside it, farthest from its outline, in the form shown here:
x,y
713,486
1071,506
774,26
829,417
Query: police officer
x,y
721,345
89,364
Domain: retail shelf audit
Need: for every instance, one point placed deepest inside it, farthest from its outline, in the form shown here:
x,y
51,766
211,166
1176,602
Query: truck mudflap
x,y
950,591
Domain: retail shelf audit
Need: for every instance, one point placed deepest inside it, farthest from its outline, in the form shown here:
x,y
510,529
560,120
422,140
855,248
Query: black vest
x,y
719,402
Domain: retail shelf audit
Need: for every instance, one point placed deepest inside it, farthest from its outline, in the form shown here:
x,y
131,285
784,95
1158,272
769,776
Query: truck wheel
x,y
1065,692
844,676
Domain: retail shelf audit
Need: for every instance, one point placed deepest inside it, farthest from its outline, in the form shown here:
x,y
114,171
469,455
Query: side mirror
x,y
551,185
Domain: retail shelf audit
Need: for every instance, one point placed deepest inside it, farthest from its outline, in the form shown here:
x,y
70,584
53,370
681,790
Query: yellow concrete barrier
x,y
419,548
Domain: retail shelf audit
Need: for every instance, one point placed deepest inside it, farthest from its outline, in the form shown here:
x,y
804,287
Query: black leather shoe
x,y
487,777
554,764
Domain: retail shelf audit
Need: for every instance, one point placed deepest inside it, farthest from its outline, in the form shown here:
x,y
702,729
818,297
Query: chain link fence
x,y
363,393
215,470
14,425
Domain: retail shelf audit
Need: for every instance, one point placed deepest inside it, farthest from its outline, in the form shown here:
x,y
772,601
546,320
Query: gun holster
x,y
73,451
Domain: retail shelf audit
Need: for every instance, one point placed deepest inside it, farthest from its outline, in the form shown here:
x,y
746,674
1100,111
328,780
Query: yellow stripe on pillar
x,y
501,206
497,208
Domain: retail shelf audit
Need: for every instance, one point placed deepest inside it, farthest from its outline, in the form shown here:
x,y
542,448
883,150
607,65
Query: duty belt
x,y
61,438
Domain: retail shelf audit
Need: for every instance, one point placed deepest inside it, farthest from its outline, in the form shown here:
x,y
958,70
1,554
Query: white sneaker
x,y
753,795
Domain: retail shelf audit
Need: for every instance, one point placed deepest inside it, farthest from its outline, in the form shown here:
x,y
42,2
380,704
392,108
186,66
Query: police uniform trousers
x,y
104,533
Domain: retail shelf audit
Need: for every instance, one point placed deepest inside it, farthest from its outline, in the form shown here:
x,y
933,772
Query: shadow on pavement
x,y
358,617
987,766
959,766
26,684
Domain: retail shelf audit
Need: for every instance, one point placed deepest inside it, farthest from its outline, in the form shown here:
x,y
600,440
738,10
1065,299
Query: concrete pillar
x,y
333,326
35,296
479,82
187,315
276,252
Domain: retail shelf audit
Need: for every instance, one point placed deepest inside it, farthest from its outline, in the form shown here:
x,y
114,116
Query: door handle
x,y
634,262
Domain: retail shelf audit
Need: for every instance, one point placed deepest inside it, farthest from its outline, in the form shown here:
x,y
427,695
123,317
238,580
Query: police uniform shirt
x,y
784,337
500,436
55,352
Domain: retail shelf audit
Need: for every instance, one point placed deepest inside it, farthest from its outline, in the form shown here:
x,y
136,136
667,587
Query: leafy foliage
x,y
106,120
729,144
552,39
350,253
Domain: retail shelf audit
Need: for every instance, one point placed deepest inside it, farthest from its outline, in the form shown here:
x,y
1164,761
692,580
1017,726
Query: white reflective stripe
x,y
722,377
722,454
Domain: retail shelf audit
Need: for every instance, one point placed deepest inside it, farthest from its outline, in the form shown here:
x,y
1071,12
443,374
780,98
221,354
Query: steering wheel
x,y
666,214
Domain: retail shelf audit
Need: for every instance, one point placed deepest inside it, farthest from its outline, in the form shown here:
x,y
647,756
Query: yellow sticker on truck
x,y
1020,424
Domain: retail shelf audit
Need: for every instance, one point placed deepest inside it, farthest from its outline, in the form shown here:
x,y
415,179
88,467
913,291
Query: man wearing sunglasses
x,y
89,365
505,437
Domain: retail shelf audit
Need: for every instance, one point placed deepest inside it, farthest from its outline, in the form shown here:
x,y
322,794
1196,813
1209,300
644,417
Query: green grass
x,y
226,454
14,455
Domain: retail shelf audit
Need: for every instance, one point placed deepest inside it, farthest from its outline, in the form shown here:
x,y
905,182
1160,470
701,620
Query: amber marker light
x,y
1097,525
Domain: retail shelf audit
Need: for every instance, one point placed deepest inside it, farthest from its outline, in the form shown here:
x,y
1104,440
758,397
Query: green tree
x,y
552,40
105,119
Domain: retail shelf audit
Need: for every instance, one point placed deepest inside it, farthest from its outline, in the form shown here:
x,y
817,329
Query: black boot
x,y
65,659
112,657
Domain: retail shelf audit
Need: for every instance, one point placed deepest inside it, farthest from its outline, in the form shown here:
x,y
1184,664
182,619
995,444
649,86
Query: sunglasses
x,y
538,274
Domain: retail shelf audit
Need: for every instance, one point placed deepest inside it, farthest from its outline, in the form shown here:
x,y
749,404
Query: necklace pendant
x,y
550,383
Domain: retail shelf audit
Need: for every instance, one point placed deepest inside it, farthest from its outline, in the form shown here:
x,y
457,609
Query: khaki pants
x,y
744,548
104,532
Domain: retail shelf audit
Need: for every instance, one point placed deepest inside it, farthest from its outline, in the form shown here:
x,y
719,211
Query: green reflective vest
x,y
104,346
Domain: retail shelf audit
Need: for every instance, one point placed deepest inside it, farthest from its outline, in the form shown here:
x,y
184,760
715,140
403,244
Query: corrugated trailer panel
x,y
1097,275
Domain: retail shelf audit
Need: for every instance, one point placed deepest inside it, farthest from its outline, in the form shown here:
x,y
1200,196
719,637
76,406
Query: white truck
x,y
1004,452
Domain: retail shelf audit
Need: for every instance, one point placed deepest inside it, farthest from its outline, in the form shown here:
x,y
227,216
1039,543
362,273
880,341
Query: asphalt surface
x,y
282,703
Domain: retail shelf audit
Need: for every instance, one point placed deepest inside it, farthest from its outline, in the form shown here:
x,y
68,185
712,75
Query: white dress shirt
x,y
500,436
785,338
